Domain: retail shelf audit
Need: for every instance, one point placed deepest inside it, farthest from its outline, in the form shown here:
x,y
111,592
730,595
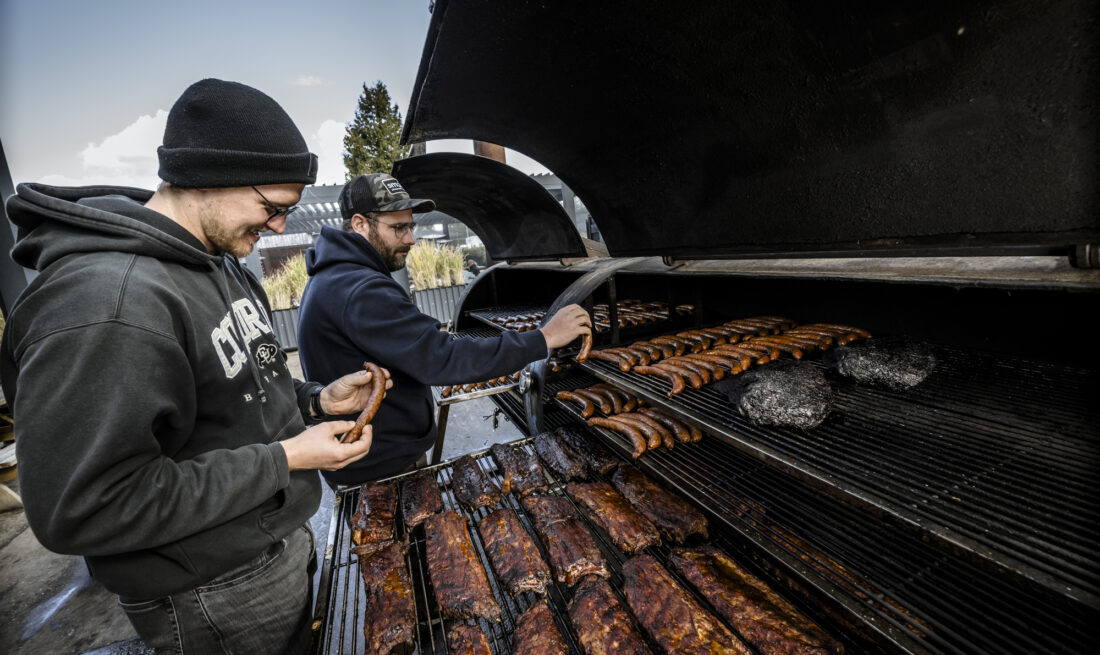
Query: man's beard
x,y
391,257
222,238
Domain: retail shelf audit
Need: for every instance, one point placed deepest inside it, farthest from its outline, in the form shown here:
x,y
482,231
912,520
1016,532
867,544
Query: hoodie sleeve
x,y
96,479
381,320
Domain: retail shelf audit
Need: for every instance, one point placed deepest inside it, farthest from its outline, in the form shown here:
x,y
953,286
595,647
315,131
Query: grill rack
x,y
945,459
338,616
487,314
963,604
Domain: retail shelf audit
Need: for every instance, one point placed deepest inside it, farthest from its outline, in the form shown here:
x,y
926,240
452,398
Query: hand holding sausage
x,y
567,324
317,447
350,393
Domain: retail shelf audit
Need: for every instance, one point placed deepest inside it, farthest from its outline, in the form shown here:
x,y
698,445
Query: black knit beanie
x,y
226,134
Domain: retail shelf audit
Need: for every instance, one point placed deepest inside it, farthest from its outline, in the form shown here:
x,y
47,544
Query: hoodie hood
x,y
57,221
340,247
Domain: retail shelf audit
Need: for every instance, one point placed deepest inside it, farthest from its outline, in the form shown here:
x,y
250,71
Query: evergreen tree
x,y
372,141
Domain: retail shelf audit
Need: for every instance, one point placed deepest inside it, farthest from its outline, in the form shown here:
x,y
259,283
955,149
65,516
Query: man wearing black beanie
x,y
159,433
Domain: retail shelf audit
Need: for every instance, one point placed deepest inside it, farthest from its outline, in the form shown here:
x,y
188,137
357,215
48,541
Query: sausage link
x,y
640,354
711,370
655,433
595,398
693,378
586,347
618,360
612,399
374,401
587,408
679,430
632,434
784,345
677,381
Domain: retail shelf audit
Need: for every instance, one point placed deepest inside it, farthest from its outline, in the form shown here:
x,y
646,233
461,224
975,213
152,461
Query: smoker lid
x,y
736,128
515,217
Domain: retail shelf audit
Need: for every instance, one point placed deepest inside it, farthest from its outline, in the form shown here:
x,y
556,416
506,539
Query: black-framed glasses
x,y
399,230
275,211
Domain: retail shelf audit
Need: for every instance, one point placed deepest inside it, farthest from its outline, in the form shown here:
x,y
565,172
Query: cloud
x,y
328,144
128,158
308,80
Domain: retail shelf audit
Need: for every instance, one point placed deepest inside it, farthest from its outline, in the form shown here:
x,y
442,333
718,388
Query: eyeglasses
x,y
399,230
276,212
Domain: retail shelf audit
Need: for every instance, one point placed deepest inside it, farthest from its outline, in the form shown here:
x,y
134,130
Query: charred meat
x,y
465,639
537,634
570,546
561,459
461,587
584,444
602,624
520,469
472,487
761,616
374,515
420,498
673,516
390,617
512,553
630,531
675,620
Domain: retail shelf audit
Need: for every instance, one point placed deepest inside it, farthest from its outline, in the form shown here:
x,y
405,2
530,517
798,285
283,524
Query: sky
x,y
86,85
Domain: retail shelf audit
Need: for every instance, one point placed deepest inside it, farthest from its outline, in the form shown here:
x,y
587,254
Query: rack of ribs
x,y
374,516
512,553
472,487
562,460
584,444
520,469
675,620
390,616
570,546
673,516
761,616
461,587
465,639
630,531
602,624
537,634
420,498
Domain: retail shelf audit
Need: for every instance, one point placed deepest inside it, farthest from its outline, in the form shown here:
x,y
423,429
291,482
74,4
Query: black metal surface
x,y
885,573
771,128
487,314
994,457
512,213
341,626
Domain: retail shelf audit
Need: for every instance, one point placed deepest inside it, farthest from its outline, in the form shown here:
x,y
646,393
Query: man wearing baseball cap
x,y
159,432
353,311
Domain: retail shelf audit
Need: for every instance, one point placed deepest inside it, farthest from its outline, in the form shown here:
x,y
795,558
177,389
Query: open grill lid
x,y
726,128
515,217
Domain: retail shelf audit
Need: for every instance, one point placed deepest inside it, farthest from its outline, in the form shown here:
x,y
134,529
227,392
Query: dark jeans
x,y
263,606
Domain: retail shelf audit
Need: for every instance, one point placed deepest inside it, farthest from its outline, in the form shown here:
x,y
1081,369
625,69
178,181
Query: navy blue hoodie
x,y
353,311
149,395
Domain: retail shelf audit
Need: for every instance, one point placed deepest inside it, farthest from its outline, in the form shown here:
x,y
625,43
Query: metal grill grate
x,y
976,457
341,606
488,314
950,603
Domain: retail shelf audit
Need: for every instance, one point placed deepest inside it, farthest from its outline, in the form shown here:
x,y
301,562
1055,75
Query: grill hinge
x,y
1085,255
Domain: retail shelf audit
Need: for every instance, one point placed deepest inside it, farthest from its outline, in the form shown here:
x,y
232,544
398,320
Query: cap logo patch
x,y
393,186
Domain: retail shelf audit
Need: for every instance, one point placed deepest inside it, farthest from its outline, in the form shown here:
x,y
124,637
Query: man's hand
x,y
319,447
569,323
349,394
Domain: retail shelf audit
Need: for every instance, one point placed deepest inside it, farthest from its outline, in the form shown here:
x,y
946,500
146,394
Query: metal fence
x,y
438,303
285,324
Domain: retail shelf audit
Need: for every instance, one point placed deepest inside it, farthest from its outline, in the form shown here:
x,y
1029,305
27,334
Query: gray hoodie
x,y
148,393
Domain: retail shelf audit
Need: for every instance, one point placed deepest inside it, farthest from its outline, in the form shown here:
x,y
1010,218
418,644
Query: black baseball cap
x,y
378,192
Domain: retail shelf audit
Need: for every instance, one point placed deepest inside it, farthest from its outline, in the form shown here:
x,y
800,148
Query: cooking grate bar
x,y
488,314
914,574
916,471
